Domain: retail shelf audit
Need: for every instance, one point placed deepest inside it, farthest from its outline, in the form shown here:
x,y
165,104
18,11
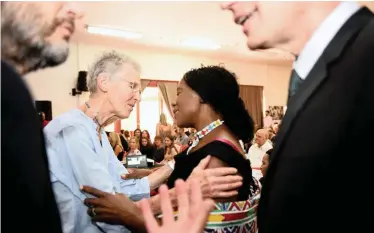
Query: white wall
x,y
55,84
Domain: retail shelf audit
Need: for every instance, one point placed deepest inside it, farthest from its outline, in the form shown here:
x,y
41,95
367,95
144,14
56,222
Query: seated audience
x,y
116,144
181,137
268,119
158,150
258,150
163,128
127,135
265,165
134,147
124,142
137,133
146,147
145,134
171,149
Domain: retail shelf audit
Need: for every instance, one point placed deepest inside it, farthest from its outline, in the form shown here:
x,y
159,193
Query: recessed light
x,y
200,43
113,32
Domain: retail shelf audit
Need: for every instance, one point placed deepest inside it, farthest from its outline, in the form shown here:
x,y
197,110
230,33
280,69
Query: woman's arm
x,y
157,129
159,176
216,163
219,182
117,149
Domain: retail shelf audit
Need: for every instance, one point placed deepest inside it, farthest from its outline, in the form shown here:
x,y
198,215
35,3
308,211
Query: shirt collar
x,y
323,36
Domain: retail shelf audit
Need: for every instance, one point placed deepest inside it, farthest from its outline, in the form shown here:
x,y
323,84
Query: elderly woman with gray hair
x,y
80,154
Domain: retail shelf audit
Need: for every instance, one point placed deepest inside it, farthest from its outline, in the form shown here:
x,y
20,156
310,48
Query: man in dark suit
x,y
34,35
318,180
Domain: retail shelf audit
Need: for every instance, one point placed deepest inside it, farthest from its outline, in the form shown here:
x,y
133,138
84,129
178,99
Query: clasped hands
x,y
201,185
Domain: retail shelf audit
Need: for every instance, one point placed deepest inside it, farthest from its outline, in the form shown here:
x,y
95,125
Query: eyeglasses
x,y
134,86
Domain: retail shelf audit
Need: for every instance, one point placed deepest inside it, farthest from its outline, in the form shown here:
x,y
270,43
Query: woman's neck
x,y
205,122
100,111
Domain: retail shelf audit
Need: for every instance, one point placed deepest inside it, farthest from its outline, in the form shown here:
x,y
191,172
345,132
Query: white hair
x,y
108,62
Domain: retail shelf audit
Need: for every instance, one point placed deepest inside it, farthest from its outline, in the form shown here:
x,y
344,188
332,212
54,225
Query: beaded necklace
x,y
199,135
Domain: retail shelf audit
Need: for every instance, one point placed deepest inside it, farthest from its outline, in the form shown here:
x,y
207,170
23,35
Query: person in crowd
x,y
145,134
127,135
159,149
137,133
218,114
44,121
331,87
146,147
124,142
134,146
258,150
34,35
163,128
115,142
182,138
268,119
171,149
79,151
265,165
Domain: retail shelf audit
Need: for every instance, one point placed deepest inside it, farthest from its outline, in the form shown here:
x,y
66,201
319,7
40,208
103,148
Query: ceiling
x,y
165,24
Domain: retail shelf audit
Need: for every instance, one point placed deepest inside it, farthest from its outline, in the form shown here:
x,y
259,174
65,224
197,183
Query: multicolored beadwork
x,y
199,135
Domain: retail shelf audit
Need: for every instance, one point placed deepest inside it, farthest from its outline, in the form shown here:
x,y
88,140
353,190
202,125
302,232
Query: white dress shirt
x,y
323,36
256,153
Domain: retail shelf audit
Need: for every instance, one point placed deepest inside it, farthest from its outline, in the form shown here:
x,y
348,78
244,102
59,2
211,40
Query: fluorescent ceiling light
x,y
200,43
113,32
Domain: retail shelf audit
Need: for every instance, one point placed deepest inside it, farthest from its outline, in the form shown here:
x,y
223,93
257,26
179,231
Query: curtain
x,y
144,83
252,98
169,94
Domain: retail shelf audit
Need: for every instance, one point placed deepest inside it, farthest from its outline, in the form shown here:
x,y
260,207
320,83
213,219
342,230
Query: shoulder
x,y
224,152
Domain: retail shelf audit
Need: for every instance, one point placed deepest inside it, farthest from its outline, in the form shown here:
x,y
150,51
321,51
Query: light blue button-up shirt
x,y
77,158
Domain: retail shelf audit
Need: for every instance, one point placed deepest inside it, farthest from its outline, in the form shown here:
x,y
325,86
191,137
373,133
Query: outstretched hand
x,y
136,173
115,209
193,211
216,183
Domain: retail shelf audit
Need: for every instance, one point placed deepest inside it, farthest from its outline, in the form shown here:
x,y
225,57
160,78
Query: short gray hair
x,y
108,62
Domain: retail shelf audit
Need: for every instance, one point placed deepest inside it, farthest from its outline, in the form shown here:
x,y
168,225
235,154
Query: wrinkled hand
x,y
136,173
115,209
216,182
192,210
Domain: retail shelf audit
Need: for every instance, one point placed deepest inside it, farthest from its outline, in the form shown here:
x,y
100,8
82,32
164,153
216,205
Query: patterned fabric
x,y
234,217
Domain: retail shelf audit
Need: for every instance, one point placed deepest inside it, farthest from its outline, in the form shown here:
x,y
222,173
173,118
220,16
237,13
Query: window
x,y
169,118
149,110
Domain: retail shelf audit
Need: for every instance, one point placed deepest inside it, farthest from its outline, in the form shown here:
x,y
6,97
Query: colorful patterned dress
x,y
234,217
228,217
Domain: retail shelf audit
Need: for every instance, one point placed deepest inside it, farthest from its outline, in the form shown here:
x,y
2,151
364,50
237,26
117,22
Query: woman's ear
x,y
102,82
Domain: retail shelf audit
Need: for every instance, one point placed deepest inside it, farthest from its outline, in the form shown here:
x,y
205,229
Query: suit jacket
x,y
318,178
28,203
